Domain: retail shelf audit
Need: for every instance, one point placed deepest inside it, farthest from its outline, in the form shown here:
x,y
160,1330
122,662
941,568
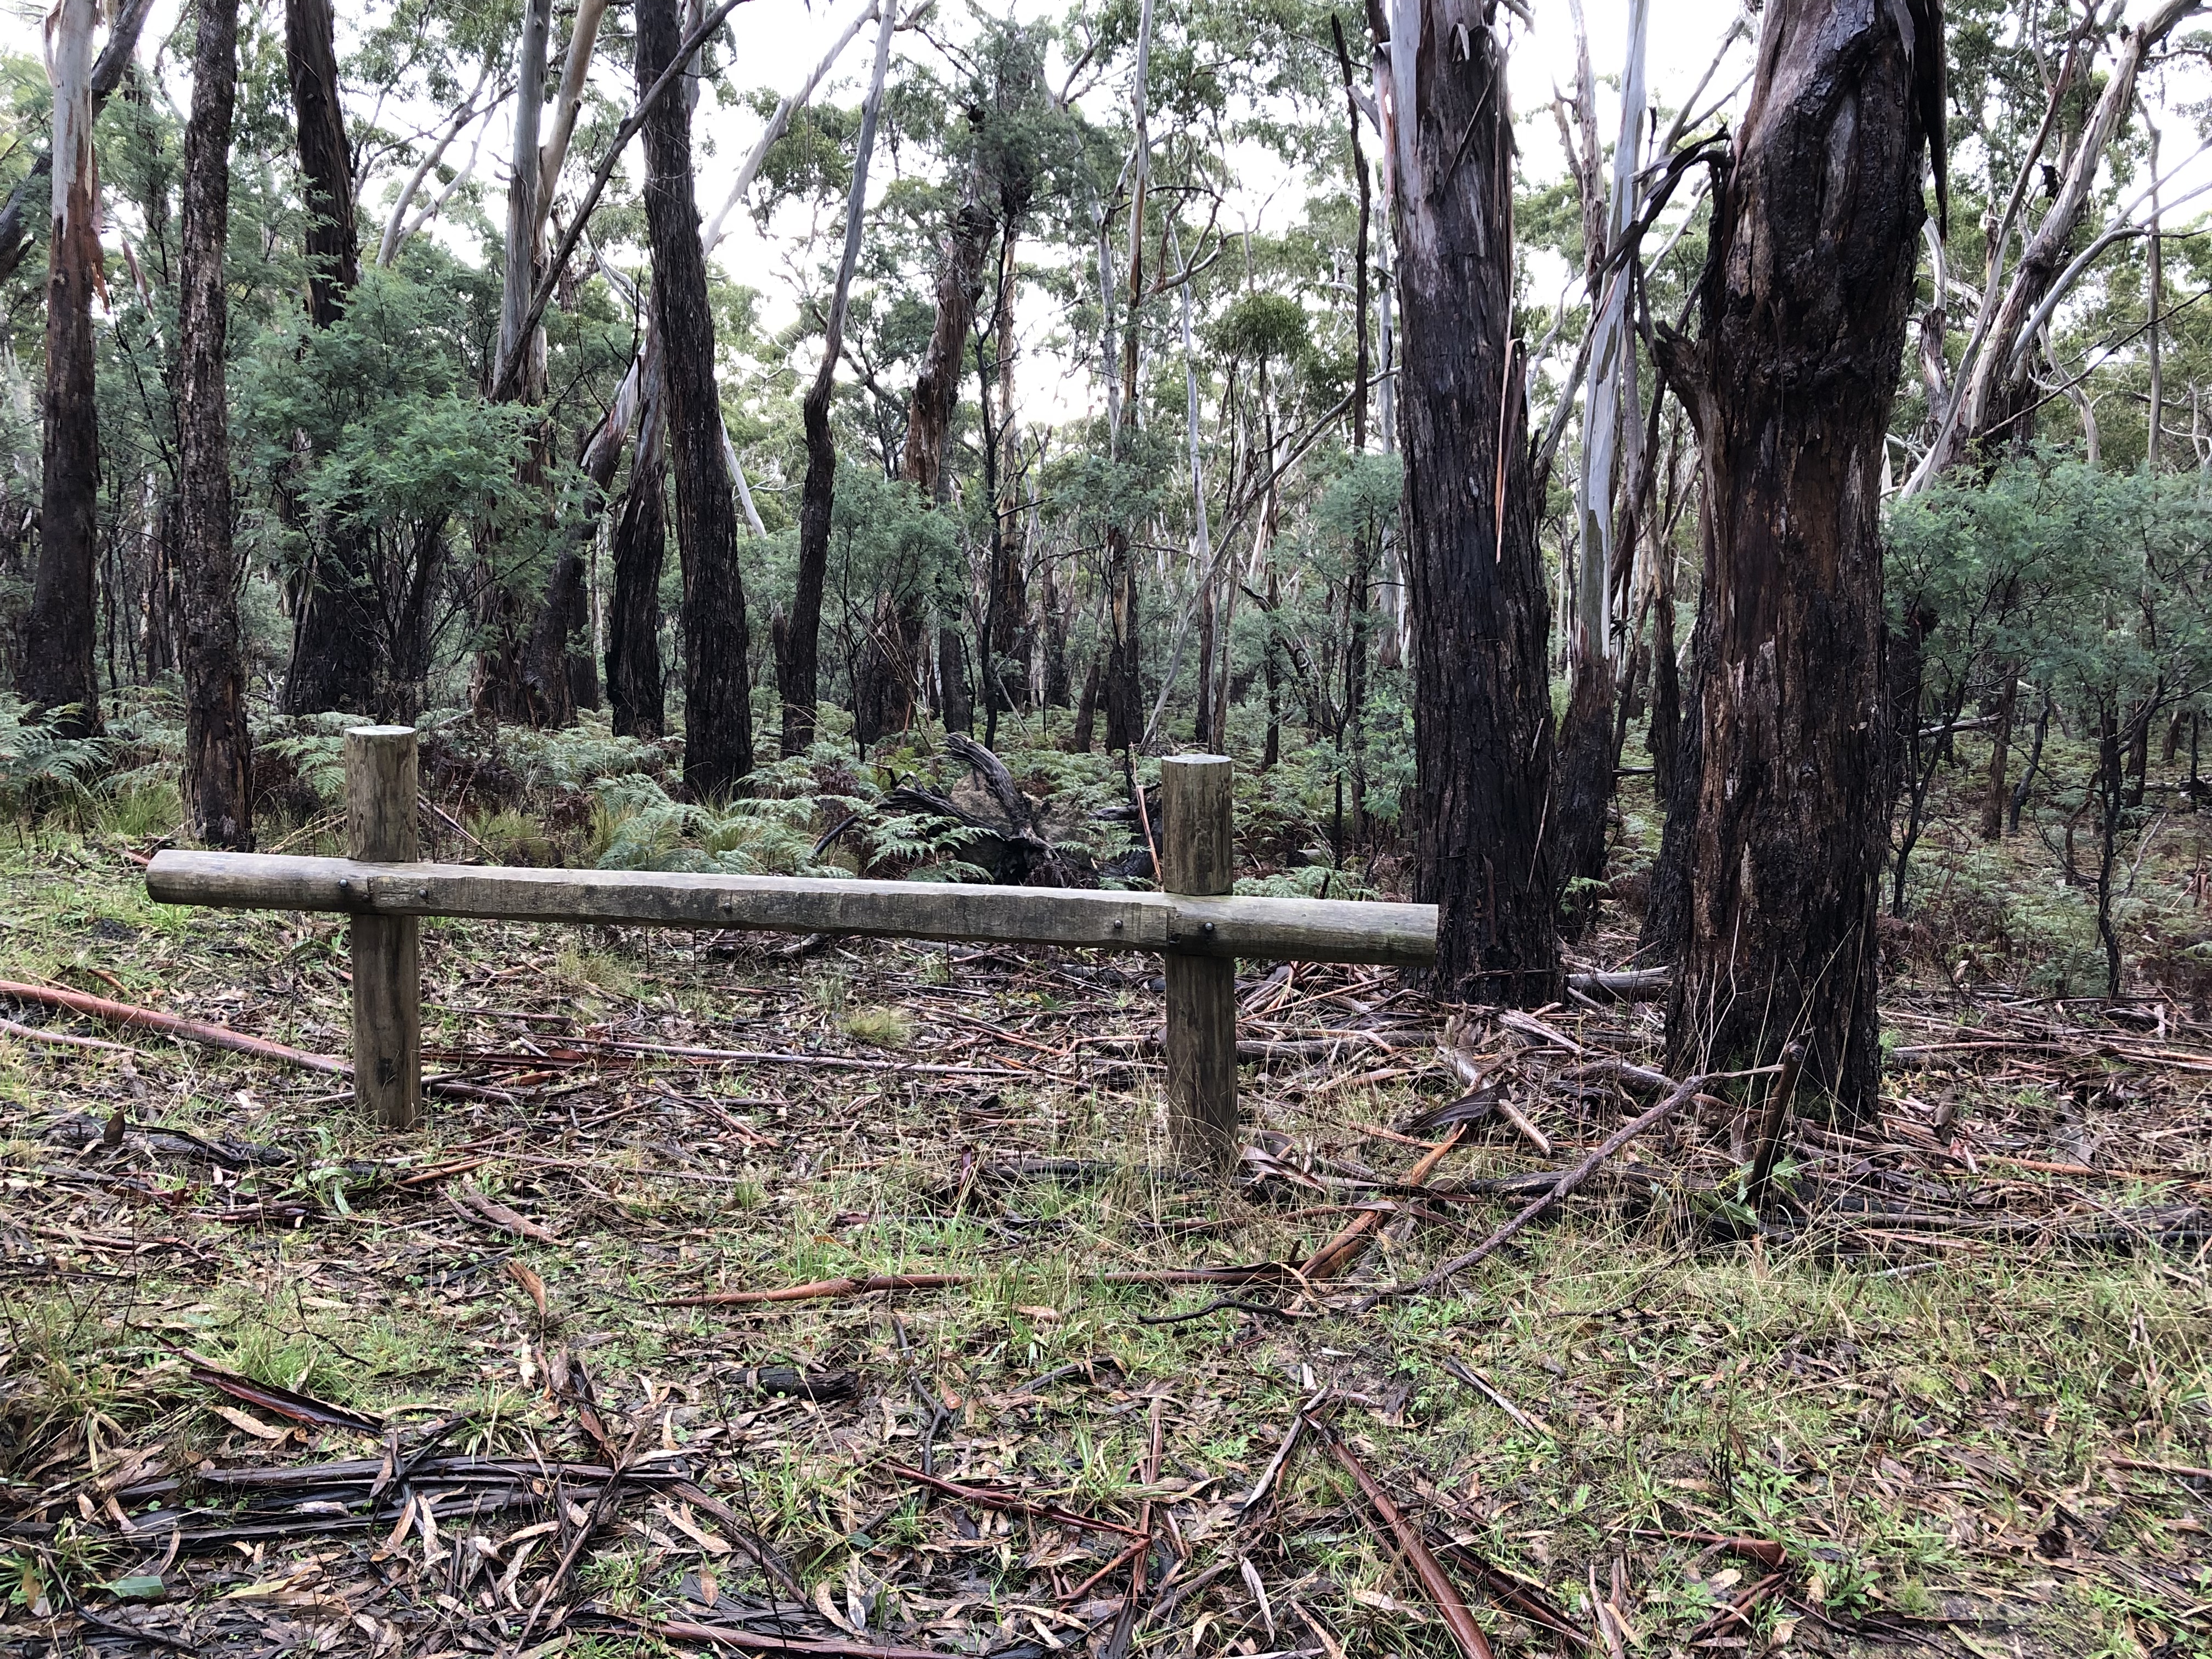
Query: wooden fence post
x,y
388,990
1197,856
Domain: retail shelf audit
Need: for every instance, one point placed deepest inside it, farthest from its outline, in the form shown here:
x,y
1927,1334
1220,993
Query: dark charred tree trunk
x,y
2108,790
1055,641
59,672
1482,717
1586,761
1010,592
798,641
718,727
640,545
885,674
1087,712
335,640
937,382
885,678
218,752
1803,310
1121,688
956,696
1999,791
326,159
1360,578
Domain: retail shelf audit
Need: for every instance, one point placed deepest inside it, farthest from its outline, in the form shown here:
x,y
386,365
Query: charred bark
x,y
1087,712
1120,688
798,642
640,545
1482,718
59,674
718,728
333,242
956,696
218,751
1802,322
335,637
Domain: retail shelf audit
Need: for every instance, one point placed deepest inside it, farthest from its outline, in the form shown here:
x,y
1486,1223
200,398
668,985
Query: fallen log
x,y
1629,985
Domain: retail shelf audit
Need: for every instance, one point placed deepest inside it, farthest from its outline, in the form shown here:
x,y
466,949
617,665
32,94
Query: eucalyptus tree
x,y
799,640
58,671
1771,846
1482,716
218,749
333,663
718,748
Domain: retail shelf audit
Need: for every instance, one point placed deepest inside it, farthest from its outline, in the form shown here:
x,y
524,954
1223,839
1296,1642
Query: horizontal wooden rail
x,y
1198,925
1277,929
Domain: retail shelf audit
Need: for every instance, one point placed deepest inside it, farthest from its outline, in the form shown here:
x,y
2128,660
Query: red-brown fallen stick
x,y
1765,1551
678,1630
983,1499
1434,1580
1349,1245
193,1030
821,1288
215,1036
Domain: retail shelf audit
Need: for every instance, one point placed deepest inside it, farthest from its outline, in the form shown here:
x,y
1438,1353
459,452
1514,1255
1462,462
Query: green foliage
x,y
39,764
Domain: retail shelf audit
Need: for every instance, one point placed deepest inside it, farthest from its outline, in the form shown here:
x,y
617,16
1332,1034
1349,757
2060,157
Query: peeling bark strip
x,y
1802,320
718,738
59,671
218,754
1482,716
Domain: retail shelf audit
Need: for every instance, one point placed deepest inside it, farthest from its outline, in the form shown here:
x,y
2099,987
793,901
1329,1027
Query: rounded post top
x,y
1196,760
382,732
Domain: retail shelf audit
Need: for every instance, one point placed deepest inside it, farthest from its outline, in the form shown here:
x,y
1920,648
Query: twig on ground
x,y
1566,1184
1012,1503
1426,1568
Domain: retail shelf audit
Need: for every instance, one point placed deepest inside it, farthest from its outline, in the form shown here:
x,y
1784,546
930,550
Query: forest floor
x,y
273,1382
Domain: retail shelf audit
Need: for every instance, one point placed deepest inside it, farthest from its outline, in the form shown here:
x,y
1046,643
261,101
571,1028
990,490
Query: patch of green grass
x,y
884,1027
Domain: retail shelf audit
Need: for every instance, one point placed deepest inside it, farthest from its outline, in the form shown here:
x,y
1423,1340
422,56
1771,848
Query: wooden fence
x,y
1195,922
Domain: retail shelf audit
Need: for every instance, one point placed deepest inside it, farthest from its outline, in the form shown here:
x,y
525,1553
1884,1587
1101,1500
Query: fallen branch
x,y
214,1036
191,1031
1351,1244
1566,1184
1009,1503
283,1403
33,1034
824,1289
1441,1589
680,1630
